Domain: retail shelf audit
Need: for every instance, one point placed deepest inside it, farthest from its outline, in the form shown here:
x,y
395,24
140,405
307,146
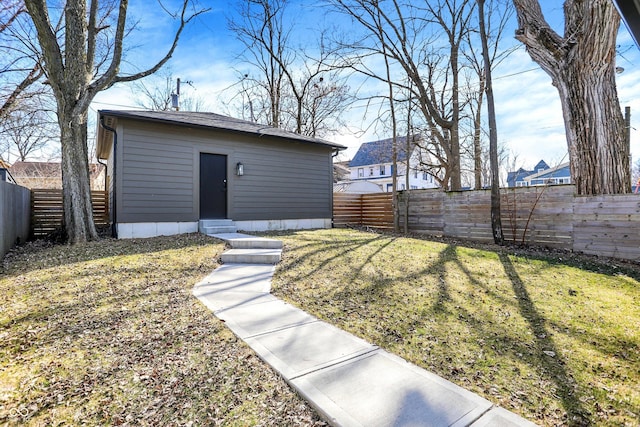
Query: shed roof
x,y
378,152
205,120
630,13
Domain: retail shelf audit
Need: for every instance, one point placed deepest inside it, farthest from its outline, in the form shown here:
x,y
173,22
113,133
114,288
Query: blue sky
x,y
529,114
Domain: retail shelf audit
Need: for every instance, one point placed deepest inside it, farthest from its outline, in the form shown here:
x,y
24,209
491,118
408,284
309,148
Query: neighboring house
x,y
169,170
48,175
373,163
516,179
560,174
5,175
356,187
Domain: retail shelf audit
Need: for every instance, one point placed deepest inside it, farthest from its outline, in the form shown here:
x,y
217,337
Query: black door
x,y
213,186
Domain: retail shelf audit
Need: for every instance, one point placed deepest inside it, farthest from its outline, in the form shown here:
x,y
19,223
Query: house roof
x,y
356,187
554,172
46,170
521,174
209,121
378,152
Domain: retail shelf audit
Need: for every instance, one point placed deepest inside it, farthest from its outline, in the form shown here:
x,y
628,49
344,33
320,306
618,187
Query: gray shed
x,y
168,171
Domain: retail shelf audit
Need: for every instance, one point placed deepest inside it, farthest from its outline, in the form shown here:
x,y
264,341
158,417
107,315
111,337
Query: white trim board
x,y
134,230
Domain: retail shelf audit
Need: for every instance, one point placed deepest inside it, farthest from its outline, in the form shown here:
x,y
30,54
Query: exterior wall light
x,y
239,169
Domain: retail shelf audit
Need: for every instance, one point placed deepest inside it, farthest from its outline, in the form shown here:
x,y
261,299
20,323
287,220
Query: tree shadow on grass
x,y
545,349
340,248
543,355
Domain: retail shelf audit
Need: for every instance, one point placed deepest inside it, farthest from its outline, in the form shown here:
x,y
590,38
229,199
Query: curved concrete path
x,y
347,380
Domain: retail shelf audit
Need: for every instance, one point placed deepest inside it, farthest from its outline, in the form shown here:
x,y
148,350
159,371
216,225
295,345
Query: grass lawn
x,y
108,333
553,337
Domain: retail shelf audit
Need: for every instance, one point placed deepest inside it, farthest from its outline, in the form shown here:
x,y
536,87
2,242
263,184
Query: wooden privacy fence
x,y
47,211
370,210
546,216
552,216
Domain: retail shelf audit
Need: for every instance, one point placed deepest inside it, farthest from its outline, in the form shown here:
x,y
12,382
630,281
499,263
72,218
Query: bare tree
x,y
26,130
581,64
306,94
498,13
78,67
19,60
411,36
261,29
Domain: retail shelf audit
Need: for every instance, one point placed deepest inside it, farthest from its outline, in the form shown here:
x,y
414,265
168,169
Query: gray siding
x,y
158,174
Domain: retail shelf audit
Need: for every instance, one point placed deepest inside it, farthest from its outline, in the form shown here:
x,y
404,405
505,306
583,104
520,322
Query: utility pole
x,y
175,97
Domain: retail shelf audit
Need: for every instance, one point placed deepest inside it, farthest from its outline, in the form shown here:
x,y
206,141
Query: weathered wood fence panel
x,y
465,216
608,225
47,210
426,212
546,216
370,210
539,215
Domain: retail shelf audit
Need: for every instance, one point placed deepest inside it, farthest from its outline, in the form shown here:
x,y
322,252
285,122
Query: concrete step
x,y
212,231
217,226
254,243
251,256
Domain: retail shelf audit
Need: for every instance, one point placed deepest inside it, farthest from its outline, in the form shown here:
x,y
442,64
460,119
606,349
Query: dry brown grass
x,y
108,333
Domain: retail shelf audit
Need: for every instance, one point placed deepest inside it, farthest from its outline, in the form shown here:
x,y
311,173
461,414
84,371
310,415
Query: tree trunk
x,y
456,173
595,134
496,222
477,141
582,67
76,189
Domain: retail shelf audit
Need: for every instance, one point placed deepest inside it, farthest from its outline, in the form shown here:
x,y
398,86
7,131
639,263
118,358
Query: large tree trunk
x,y
76,189
597,148
582,67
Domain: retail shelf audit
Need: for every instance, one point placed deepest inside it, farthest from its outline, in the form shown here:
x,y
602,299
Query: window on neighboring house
x,y
360,173
402,187
414,187
389,188
370,171
425,176
381,169
415,173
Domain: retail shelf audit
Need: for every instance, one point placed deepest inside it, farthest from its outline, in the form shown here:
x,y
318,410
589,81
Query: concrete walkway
x,y
347,380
